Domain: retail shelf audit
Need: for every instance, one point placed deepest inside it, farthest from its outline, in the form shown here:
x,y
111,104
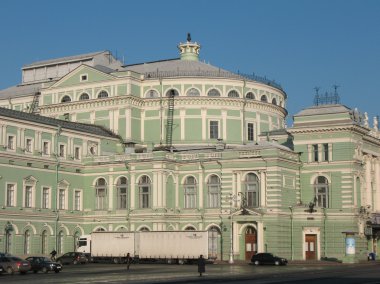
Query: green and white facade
x,y
87,143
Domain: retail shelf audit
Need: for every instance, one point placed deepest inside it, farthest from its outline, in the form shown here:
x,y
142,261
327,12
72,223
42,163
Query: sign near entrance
x,y
350,245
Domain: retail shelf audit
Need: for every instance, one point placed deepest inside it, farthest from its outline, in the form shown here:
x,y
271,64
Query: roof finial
x,y
188,37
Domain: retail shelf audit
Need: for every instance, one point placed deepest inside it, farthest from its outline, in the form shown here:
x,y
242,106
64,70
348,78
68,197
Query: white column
x,y
368,179
260,237
204,123
142,125
263,189
133,191
155,192
128,123
224,121
377,185
182,115
111,192
201,189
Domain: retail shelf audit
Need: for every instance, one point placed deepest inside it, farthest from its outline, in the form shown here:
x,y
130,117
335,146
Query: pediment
x,y
30,179
63,183
74,78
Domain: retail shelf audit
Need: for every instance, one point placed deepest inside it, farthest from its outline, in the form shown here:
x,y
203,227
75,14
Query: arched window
x,y
251,191
44,242
233,94
103,94
321,190
193,93
84,97
144,229
189,228
101,194
264,98
100,230
214,237
8,239
250,96
190,190
274,101
66,99
60,242
213,93
213,185
152,94
144,192
27,242
122,187
172,92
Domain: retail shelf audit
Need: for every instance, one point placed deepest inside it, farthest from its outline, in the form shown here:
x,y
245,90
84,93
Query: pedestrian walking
x,y
128,260
201,265
53,254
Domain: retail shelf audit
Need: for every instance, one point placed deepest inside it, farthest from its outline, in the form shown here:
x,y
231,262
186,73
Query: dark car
x,y
268,258
72,257
40,263
13,264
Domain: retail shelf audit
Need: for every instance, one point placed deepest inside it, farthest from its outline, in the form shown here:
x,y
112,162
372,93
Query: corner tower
x,y
189,50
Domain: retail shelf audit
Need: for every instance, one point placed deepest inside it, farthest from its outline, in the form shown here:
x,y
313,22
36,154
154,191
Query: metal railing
x,y
223,74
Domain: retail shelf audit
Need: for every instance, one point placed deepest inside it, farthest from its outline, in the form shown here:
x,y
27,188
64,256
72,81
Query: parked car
x,y
268,258
72,257
44,264
13,264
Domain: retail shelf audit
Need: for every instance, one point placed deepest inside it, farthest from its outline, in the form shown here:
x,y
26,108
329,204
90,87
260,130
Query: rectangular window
x,y
62,151
325,152
10,195
11,142
45,197
144,197
250,133
77,153
214,129
28,145
46,148
101,198
28,196
315,152
61,198
77,200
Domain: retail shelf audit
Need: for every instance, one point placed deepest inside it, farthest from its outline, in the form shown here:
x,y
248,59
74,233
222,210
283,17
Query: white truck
x,y
170,246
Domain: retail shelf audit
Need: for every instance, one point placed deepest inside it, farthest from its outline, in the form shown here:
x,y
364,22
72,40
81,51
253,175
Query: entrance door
x,y
310,247
250,243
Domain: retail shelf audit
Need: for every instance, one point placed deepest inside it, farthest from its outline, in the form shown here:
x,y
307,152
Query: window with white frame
x,y
325,152
250,131
213,185
77,153
28,192
122,187
45,198
83,77
62,198
233,94
152,94
28,145
214,129
213,93
103,94
193,92
27,241
250,96
65,99
321,190
315,152
144,192
77,200
190,191
11,195
101,194
46,148
11,145
251,191
62,151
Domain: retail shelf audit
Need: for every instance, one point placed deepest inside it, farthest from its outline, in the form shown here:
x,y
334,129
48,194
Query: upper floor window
x,y
46,148
11,195
251,191
264,98
213,185
122,187
193,92
213,93
28,196
103,94
144,192
84,97
28,145
233,94
45,197
11,142
100,194
152,94
172,92
315,152
77,200
190,191
214,129
62,198
77,153
321,191
83,77
62,151
274,101
250,96
325,152
65,99
250,132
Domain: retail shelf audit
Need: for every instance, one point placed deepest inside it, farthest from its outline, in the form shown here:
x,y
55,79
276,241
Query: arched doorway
x,y
250,242
214,237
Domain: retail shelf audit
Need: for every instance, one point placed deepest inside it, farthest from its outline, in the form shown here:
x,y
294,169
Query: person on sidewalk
x,y
201,265
128,260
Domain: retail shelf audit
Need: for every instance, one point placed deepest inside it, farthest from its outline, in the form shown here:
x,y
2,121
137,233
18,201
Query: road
x,y
368,273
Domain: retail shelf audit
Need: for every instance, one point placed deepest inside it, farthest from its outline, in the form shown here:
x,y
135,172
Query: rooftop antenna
x,y
316,97
336,98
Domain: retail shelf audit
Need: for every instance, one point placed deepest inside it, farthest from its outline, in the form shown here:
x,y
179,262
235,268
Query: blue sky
x,y
300,44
